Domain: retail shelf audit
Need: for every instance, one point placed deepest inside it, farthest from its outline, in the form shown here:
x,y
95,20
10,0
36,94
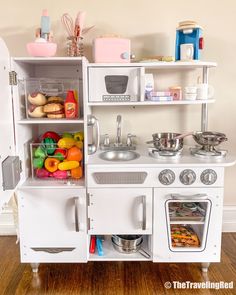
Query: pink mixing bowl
x,y
42,49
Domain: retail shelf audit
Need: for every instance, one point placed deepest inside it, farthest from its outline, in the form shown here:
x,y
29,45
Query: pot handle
x,y
144,253
151,141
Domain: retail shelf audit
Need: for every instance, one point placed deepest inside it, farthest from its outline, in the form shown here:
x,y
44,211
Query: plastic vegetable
x,y
52,135
38,162
66,143
49,145
42,173
67,135
79,144
60,154
68,165
79,136
74,154
51,164
40,152
60,174
76,172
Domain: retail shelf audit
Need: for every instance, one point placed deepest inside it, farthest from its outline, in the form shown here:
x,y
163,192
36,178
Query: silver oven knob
x,y
187,177
208,177
166,177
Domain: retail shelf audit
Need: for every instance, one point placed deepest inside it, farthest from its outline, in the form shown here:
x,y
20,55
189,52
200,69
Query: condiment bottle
x,y
70,105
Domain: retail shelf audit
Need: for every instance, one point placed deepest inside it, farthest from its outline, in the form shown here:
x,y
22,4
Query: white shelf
x,y
148,103
187,222
160,65
31,183
110,254
50,61
50,121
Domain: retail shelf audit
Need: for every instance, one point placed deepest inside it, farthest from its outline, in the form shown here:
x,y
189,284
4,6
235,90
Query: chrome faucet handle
x,y
106,141
129,141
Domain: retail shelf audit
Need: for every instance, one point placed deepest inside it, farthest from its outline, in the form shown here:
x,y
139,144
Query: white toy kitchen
x,y
133,202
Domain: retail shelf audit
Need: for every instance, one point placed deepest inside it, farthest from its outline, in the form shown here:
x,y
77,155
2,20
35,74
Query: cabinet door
x,y
7,147
120,211
53,225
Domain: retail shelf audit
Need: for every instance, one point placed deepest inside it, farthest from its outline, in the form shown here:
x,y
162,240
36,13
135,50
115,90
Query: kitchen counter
x,y
185,160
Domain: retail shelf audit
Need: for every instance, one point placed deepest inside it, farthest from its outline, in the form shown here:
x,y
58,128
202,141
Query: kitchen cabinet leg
x,y
205,266
35,267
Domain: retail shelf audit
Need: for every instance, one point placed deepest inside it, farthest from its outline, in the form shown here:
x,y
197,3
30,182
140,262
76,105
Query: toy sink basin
x,y
41,49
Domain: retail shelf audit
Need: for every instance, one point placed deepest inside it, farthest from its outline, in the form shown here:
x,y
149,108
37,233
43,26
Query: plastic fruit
x,y
37,112
76,172
38,162
51,164
60,154
42,173
60,174
40,152
74,154
67,135
68,165
79,144
79,136
51,134
66,143
49,145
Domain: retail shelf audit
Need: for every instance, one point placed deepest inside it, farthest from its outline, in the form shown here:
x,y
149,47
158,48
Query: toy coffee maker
x,y
189,41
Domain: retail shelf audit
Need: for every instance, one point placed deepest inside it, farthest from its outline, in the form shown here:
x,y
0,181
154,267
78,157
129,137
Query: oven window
x,y
116,84
187,224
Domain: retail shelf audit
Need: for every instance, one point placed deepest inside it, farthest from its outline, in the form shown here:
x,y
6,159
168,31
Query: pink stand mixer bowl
x,y
42,49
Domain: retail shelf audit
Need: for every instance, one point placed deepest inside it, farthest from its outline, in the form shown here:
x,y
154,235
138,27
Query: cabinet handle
x,y
144,222
192,197
76,199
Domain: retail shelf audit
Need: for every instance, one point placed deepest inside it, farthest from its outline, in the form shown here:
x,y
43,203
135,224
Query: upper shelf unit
x,y
160,65
54,61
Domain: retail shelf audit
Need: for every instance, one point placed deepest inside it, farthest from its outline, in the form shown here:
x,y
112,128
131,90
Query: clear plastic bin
x,y
44,97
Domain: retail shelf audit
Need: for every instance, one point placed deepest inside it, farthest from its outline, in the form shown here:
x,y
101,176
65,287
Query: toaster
x,y
111,49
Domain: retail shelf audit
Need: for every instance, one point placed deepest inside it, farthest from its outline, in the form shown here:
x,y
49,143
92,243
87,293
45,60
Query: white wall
x,y
151,27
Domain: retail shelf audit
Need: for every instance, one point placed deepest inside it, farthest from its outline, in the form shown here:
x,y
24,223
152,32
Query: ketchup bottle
x,y
70,105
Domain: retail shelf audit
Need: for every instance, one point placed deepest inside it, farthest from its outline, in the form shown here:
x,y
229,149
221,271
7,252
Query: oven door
x,y
115,84
187,224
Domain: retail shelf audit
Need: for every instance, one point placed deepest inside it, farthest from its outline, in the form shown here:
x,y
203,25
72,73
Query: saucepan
x,y
167,141
129,244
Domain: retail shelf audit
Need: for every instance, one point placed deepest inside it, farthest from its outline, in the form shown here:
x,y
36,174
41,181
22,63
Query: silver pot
x,y
129,244
209,139
167,141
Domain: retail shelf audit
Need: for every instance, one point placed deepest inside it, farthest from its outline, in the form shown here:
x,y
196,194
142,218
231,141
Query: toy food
x,y
42,173
49,145
51,134
68,165
60,174
67,134
66,143
60,154
56,99
37,99
51,164
36,112
184,236
79,136
40,152
79,144
38,162
76,172
54,110
74,154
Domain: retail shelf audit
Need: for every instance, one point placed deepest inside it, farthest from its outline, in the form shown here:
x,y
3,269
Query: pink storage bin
x,y
41,49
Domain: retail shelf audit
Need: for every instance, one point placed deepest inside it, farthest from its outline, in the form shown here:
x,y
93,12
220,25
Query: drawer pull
x,y
52,250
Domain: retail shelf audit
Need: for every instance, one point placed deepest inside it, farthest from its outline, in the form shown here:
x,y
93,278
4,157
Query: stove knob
x,y
208,177
187,177
166,177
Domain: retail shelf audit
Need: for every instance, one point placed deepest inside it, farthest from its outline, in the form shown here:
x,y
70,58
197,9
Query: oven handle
x,y
185,197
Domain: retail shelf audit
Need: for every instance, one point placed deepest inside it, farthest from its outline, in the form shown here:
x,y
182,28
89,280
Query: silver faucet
x,y
118,131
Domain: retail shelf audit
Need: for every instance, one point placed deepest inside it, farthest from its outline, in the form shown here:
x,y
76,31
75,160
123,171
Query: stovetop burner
x,y
202,153
153,152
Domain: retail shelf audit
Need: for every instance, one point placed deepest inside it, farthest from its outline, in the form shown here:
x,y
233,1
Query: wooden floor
x,y
125,278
